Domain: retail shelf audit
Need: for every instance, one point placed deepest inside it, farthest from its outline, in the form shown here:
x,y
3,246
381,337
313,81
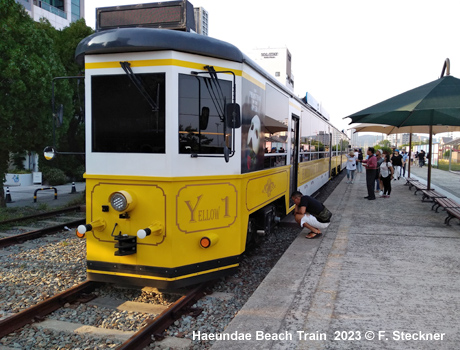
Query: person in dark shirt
x,y
421,158
396,161
359,165
310,213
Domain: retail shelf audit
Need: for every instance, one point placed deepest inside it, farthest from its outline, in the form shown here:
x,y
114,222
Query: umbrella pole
x,y
429,158
410,155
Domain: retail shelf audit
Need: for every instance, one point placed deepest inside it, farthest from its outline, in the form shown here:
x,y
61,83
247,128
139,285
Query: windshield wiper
x,y
140,86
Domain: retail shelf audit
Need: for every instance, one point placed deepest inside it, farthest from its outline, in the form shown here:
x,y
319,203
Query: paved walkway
x,y
23,196
385,275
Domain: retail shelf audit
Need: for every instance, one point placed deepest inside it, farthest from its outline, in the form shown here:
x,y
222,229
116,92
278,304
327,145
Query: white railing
x,y
50,8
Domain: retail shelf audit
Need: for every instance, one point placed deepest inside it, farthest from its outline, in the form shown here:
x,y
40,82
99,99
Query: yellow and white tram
x,y
178,176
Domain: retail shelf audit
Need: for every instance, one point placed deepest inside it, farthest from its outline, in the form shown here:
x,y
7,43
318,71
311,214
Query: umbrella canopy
x,y
390,129
435,103
272,125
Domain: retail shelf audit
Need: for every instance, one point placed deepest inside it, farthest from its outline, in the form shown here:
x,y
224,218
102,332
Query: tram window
x,y
198,94
122,119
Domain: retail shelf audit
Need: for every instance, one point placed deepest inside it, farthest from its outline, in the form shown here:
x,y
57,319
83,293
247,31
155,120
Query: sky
x,y
348,54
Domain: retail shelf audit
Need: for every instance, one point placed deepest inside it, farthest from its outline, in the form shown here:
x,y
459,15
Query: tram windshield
x,y
123,121
201,120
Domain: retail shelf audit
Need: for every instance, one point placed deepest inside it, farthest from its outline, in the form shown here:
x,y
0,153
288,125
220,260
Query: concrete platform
x,y
385,275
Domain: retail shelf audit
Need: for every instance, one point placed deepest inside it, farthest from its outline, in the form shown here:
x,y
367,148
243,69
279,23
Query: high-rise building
x,y
405,139
277,62
60,13
201,20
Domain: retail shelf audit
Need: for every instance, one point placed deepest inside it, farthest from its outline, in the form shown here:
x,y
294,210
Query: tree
x,y
28,63
70,136
385,143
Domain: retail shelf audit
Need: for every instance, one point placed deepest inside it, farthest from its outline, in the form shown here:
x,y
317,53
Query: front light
x,y
121,201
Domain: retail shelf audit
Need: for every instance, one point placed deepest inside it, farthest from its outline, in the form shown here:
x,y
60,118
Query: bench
x,y
420,187
431,195
452,213
412,183
409,180
444,203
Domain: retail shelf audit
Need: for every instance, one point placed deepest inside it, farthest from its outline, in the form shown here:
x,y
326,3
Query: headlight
x,y
121,201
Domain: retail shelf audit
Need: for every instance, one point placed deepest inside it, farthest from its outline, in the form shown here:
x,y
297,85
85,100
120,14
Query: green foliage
x,y
54,176
20,171
31,55
28,63
18,161
443,164
383,149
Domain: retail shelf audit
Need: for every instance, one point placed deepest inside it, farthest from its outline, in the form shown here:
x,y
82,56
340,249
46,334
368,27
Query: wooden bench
x,y
431,195
444,203
420,187
409,180
452,213
412,183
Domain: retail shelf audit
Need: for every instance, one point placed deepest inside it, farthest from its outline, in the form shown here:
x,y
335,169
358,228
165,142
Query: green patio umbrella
x,y
435,103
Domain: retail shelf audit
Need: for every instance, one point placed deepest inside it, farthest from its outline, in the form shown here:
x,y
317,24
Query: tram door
x,y
294,152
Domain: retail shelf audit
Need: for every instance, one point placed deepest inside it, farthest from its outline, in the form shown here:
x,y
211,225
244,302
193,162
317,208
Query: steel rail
x,y
16,321
16,239
42,215
156,327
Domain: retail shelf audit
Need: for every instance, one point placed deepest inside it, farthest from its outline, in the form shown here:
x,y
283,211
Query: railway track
x,y
20,234
41,215
83,293
13,323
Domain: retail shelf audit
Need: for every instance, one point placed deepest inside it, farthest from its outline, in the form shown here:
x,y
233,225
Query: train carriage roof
x,y
153,39
140,39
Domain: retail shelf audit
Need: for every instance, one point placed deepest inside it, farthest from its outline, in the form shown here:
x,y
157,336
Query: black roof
x,y
140,39
153,39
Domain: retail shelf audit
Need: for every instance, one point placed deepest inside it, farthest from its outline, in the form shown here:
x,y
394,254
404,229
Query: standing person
x,y
371,169
359,161
378,182
386,174
351,166
421,158
405,161
310,213
396,160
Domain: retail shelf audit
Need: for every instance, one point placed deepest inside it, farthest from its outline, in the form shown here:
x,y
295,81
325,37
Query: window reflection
x,y
201,123
275,142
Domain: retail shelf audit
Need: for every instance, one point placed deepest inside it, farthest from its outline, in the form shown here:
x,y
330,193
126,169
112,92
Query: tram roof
x,y
152,39
140,39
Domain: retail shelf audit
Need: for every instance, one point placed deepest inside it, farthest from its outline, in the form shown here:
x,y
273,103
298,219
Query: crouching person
x,y
310,213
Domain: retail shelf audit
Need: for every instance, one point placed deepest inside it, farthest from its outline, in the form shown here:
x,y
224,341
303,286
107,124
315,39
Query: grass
x,y
444,165
19,212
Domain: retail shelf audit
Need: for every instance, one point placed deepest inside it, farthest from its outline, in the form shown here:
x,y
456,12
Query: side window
x,y
201,110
